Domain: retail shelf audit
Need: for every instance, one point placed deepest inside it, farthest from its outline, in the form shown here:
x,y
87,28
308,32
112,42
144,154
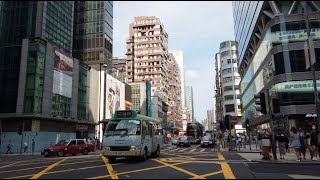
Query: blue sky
x,y
195,27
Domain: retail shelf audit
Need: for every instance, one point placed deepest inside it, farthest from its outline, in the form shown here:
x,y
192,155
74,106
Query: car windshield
x,y
206,138
63,142
183,138
131,127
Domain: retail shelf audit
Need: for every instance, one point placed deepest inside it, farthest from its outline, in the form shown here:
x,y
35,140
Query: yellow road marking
x,y
192,150
183,150
36,176
220,157
202,150
53,172
9,165
16,164
175,149
46,166
187,157
210,174
109,168
138,170
227,172
180,169
66,170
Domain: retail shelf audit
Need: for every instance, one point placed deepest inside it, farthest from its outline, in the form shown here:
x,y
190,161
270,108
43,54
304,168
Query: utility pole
x,y
274,147
311,58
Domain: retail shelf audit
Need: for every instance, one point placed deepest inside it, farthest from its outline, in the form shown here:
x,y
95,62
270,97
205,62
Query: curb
x,y
286,162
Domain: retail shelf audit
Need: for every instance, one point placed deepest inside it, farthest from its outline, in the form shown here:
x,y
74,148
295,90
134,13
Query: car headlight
x,y
135,148
106,148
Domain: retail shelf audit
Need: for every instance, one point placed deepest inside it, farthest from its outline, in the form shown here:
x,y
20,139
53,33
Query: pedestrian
x,y
287,144
307,143
25,146
314,142
296,143
282,145
259,140
303,144
33,145
9,146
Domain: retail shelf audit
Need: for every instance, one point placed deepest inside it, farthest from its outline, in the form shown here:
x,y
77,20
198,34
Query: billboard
x,y
62,74
115,92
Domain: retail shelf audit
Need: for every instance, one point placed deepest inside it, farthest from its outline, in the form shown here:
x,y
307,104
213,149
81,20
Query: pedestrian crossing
x,y
192,149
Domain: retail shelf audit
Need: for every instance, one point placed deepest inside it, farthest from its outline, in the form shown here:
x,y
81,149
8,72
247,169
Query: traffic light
x,y
261,103
227,122
20,129
247,124
275,105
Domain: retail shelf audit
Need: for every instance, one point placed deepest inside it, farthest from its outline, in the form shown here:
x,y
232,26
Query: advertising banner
x,y
115,93
62,75
295,86
294,35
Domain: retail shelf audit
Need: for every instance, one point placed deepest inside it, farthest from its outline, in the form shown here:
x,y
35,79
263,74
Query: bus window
x,y
146,130
132,127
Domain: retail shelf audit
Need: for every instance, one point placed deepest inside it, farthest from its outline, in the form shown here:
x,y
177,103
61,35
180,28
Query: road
x,y
174,163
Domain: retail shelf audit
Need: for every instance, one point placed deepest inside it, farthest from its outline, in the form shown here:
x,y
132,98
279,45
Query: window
x,y
229,107
226,71
72,143
227,79
80,142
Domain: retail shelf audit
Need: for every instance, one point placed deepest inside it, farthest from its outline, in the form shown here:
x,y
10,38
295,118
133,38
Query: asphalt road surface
x,y
174,163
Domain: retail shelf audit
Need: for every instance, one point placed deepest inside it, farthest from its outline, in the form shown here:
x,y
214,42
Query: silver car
x,y
174,140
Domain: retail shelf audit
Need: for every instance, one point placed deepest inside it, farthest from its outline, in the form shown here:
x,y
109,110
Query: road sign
x,y
234,120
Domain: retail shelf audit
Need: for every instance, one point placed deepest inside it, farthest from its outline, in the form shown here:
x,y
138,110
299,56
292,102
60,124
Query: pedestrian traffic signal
x,y
261,103
20,129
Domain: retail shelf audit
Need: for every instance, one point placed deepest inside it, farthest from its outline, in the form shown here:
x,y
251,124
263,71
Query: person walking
x,y
314,142
25,146
9,146
33,145
296,143
303,144
307,143
282,145
259,140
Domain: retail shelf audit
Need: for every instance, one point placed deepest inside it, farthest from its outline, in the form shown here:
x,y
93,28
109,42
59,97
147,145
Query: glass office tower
x,y
272,48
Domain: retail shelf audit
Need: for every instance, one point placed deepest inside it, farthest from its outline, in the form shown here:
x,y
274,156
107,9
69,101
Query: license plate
x,y
45,153
119,153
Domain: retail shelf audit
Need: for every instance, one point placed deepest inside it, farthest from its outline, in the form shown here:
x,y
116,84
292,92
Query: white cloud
x,y
195,27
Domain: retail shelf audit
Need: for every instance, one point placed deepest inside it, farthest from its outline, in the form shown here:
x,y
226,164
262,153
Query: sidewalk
x,y
254,149
290,158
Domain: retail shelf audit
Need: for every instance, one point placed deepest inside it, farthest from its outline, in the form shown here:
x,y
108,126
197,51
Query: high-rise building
x,y
119,69
147,54
272,59
141,98
93,32
175,100
218,91
189,103
42,86
210,119
230,79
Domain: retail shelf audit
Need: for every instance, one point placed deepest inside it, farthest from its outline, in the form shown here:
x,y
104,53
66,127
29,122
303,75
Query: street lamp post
x,y
104,98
